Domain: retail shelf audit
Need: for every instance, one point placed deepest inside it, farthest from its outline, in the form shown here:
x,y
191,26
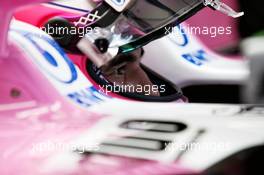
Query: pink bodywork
x,y
32,112
208,18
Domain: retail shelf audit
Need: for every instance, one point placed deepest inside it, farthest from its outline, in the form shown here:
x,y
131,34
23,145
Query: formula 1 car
x,y
52,121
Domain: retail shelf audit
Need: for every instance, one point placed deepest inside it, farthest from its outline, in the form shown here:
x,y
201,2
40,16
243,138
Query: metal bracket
x,y
222,7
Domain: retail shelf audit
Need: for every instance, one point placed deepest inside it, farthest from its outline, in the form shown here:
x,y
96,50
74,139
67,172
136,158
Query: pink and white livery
x,y
54,121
